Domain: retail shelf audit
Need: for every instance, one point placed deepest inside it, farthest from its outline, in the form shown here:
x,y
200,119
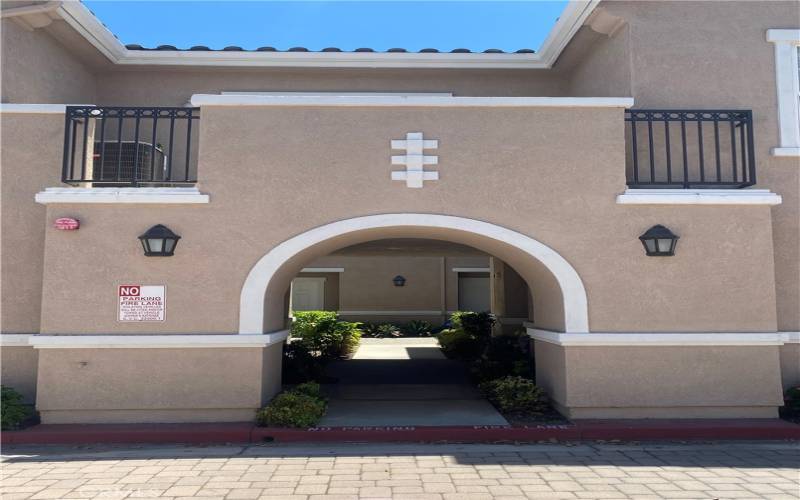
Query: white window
x,y
787,76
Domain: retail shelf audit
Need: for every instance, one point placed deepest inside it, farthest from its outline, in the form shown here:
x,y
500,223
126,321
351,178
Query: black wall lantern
x,y
659,241
159,241
399,281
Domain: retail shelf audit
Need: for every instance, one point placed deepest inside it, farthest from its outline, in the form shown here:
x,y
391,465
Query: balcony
x,y
689,149
156,147
130,147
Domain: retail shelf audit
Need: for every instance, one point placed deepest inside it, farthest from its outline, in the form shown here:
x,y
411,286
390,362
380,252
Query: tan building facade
x,y
543,168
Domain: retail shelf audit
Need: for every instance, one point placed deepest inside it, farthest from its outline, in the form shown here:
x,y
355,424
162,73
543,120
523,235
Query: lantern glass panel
x,y
156,244
169,245
651,246
665,245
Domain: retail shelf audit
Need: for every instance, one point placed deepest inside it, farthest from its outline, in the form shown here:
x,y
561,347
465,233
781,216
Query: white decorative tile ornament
x,y
415,160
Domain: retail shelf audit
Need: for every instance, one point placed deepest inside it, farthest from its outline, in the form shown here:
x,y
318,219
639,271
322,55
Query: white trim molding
x,y
471,269
655,339
790,337
251,302
329,93
698,197
167,195
322,270
787,81
14,339
37,109
80,18
154,341
392,313
408,101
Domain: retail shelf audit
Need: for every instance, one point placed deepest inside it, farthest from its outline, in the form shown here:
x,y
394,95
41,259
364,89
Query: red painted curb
x,y
245,432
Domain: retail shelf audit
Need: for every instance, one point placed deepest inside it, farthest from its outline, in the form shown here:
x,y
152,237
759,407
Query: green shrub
x,y
478,324
468,335
417,328
292,409
791,401
515,395
306,322
380,330
339,338
504,355
13,411
324,335
309,389
458,344
300,364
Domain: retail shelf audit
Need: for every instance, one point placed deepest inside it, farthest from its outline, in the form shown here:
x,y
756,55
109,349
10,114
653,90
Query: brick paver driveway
x,y
696,471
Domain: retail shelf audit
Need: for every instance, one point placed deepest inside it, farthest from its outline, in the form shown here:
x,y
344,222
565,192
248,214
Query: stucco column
x,y
497,291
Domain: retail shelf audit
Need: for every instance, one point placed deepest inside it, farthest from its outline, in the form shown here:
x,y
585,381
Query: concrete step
x,y
411,413
401,392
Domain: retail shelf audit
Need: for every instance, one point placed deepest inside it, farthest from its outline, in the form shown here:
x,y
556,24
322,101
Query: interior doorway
x,y
308,294
474,291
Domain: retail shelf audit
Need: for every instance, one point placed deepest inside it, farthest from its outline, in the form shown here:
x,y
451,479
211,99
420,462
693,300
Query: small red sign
x,y
67,224
129,290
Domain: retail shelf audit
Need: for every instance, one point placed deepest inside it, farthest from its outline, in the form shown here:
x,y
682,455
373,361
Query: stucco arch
x,y
264,288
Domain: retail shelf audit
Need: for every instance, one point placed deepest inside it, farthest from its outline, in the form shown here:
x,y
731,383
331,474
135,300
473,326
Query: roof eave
x,y
85,23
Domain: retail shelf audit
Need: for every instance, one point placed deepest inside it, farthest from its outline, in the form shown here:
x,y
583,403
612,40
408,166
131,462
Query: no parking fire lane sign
x,y
142,303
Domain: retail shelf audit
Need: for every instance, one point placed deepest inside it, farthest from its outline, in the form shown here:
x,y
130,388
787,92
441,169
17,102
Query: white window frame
x,y
787,44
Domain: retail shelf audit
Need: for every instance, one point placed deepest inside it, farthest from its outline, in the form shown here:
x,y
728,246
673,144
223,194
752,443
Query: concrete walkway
x,y
436,472
406,381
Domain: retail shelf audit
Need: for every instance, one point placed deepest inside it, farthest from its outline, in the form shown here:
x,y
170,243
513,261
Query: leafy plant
x,y
309,389
458,344
791,402
380,330
324,335
478,324
515,395
292,409
468,336
13,411
417,328
503,356
300,364
306,322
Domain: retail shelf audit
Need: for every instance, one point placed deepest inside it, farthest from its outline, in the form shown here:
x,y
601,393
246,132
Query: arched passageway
x,y
559,297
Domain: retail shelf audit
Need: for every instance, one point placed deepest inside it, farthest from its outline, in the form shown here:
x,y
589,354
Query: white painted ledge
x,y
14,339
322,270
154,341
37,109
390,313
698,197
172,195
409,100
657,339
471,269
785,151
791,337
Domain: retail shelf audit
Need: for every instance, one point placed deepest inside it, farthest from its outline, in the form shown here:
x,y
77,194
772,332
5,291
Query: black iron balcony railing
x,y
120,146
685,149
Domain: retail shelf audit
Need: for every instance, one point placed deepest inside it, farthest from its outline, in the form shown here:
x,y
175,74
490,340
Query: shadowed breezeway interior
x,y
404,382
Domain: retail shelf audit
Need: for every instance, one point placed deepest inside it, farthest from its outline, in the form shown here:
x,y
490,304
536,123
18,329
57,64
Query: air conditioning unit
x,y
118,161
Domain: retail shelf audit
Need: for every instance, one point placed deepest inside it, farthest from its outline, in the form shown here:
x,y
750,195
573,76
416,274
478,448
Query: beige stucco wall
x,y
661,381
31,158
35,68
708,55
344,173
161,385
18,366
170,87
